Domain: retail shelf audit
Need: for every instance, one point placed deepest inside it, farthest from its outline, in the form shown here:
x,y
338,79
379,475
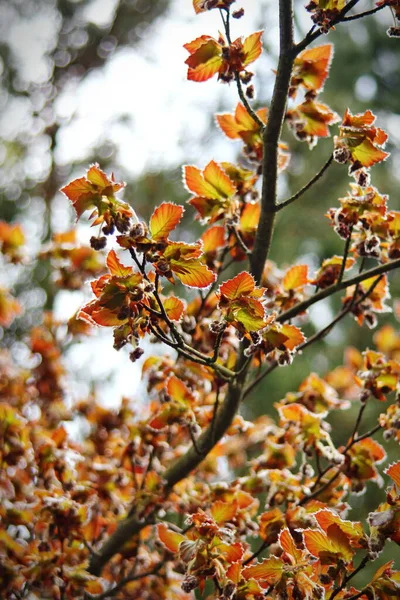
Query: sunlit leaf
x,y
165,219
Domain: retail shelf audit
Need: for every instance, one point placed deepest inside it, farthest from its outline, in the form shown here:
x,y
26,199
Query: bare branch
x,y
307,186
364,14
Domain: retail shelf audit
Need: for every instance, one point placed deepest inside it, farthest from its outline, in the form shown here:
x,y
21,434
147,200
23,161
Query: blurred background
x,y
86,81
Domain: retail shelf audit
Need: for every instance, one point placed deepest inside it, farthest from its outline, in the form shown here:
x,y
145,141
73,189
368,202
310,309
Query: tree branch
x,y
337,287
132,524
349,577
313,35
271,138
364,14
124,581
307,186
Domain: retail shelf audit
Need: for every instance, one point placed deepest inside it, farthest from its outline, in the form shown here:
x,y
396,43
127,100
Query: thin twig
x,y
337,287
124,581
345,255
194,441
239,86
215,411
240,240
364,14
306,187
263,546
348,578
313,35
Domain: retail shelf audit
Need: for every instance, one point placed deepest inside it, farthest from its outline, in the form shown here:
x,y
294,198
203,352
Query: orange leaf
x,y
328,546
232,289
116,267
178,390
252,47
174,307
213,239
250,217
213,182
205,58
193,273
311,67
353,529
164,220
170,539
223,511
269,570
295,277
294,336
394,473
9,308
288,545
359,141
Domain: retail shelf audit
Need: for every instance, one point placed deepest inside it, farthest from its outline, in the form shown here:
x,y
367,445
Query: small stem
x,y
240,241
307,186
313,35
348,578
194,441
345,255
215,411
364,14
263,546
337,287
124,581
241,93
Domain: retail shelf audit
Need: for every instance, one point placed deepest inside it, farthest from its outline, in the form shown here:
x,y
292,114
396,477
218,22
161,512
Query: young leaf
x,y
170,539
311,68
359,141
165,219
116,267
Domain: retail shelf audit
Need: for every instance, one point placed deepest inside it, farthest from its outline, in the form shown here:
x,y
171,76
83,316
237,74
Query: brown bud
x,y
98,243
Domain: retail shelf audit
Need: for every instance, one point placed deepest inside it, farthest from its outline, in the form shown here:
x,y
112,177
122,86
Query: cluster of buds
x,y
324,18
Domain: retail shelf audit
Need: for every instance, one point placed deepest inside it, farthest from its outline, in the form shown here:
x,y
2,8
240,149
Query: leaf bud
x,y
217,326
238,14
149,288
137,294
393,32
250,92
341,155
190,583
138,230
98,243
362,177
136,354
108,229
163,266
246,77
388,434
307,469
343,231
188,324
250,350
122,223
124,313
285,358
